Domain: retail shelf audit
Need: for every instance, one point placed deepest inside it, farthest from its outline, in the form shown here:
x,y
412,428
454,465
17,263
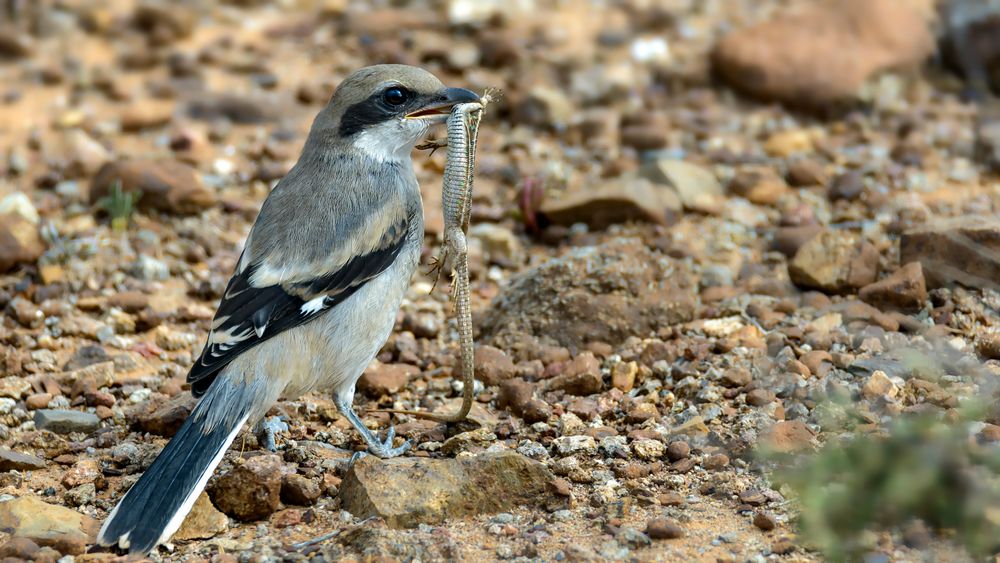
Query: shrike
x,y
315,292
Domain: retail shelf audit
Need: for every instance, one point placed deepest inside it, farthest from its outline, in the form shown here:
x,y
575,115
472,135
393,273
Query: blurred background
x,y
751,227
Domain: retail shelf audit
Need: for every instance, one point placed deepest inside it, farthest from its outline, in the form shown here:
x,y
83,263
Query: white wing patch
x,y
313,306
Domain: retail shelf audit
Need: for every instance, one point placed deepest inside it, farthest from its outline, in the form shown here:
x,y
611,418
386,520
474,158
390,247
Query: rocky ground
x,y
705,233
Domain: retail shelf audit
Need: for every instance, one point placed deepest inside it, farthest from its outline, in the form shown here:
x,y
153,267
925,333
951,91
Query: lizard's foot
x,y
267,429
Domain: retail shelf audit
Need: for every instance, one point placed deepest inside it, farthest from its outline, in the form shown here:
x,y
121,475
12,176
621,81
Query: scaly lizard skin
x,y
456,199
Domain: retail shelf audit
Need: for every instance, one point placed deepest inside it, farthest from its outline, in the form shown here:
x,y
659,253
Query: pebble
x,y
251,490
570,445
20,241
61,528
165,185
386,379
663,529
835,262
648,450
65,421
16,461
765,520
963,250
492,365
904,289
203,522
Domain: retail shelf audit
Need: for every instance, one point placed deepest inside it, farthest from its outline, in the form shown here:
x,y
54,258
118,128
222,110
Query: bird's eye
x,y
395,96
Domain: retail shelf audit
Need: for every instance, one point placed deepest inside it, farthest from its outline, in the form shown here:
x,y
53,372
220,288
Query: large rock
x,y
600,293
825,51
166,185
835,262
386,379
20,242
408,491
962,250
250,491
623,199
61,528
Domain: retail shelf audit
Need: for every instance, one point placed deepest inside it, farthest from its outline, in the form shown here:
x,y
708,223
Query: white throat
x,y
390,141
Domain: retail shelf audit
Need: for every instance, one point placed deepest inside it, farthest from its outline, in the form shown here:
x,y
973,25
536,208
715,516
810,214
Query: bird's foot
x,y
267,429
384,449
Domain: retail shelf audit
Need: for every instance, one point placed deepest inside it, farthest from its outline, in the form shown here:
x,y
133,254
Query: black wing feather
x,y
255,314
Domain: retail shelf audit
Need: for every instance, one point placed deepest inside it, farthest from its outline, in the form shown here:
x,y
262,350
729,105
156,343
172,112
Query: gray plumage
x,y
315,293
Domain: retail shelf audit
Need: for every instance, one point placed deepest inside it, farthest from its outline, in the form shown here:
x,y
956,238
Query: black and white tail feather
x,y
156,505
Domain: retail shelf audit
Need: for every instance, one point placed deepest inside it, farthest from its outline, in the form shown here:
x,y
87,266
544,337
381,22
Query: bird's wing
x,y
268,296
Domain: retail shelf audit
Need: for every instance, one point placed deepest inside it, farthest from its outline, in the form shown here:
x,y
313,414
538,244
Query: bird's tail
x,y
155,507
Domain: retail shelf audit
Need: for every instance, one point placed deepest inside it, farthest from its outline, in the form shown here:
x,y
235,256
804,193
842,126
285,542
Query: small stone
x,y
641,412
765,520
582,376
835,262
165,419
788,142
474,440
617,201
65,421
515,394
803,173
623,376
904,289
146,114
250,491
83,471
61,528
649,450
408,491
386,379
678,450
760,397
20,241
129,301
165,185
789,436
697,187
670,498
663,529
299,490
715,462
569,445
879,386
500,244
203,522
736,377
492,366
19,548
848,186
15,461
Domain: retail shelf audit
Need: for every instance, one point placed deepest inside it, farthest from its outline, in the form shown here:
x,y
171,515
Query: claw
x,y
385,450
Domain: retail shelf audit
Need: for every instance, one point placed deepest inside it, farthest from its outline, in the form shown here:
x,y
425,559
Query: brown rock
x,y
904,289
835,262
21,549
715,462
788,240
166,185
855,39
250,491
146,114
299,490
582,376
407,491
492,366
129,301
614,201
759,186
789,436
760,397
678,450
964,251
765,520
736,377
603,293
848,186
670,498
20,242
61,528
82,472
697,187
804,172
623,376
203,522
663,529
515,395
166,419
386,379
15,461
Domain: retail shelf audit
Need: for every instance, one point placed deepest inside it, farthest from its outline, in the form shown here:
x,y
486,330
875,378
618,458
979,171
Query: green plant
x,y
921,468
119,205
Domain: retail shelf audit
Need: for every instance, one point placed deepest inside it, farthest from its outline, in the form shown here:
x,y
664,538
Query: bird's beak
x,y
441,105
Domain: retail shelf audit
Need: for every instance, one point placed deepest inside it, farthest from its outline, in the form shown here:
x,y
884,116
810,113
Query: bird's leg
x,y
381,449
267,428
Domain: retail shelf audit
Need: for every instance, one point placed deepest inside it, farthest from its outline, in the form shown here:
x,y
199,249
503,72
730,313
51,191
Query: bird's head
x,y
384,110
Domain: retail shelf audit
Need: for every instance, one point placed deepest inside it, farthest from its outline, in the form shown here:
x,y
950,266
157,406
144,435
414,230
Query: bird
x,y
314,294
